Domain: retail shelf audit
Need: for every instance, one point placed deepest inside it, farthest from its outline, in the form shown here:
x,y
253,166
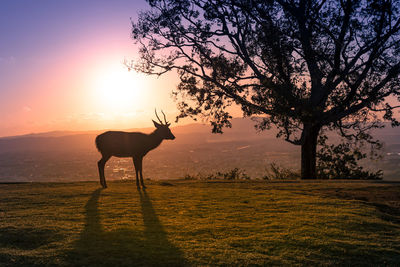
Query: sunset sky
x,y
61,68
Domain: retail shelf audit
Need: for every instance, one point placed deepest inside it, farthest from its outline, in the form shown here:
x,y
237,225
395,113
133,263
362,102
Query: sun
x,y
119,90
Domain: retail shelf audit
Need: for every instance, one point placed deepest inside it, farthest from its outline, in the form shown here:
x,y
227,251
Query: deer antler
x,y
155,110
165,119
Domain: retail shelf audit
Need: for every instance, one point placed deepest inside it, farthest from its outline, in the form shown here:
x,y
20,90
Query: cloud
x,y
7,61
26,109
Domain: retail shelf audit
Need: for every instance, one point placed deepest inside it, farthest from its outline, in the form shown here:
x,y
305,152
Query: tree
x,y
341,160
302,65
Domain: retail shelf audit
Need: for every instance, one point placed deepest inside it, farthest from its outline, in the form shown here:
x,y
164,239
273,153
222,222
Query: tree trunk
x,y
309,151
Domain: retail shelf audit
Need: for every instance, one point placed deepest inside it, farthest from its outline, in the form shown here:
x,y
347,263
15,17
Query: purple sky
x,y
54,55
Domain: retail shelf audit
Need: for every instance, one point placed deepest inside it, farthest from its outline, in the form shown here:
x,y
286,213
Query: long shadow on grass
x,y
124,246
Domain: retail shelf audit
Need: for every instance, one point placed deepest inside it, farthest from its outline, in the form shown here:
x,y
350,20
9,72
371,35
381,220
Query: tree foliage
x,y
340,161
303,65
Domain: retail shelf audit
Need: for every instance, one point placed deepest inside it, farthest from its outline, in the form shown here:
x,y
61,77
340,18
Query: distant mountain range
x,y
71,155
187,134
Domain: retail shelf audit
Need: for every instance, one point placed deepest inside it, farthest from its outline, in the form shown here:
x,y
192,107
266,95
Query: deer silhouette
x,y
131,144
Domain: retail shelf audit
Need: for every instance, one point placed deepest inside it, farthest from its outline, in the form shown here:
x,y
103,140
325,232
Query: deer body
x,y
126,144
130,144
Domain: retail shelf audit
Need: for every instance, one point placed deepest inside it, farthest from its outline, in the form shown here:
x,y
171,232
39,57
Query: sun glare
x,y
120,90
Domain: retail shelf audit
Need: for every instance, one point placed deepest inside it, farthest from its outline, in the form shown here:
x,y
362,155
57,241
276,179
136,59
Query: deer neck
x,y
155,139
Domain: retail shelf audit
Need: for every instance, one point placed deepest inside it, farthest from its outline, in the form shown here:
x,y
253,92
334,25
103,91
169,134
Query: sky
x,y
61,68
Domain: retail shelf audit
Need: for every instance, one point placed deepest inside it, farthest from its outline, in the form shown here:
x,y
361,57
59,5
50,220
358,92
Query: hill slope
x,y
180,223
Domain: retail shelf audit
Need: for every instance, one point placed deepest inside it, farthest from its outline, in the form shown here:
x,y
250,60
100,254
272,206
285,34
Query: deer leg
x,y
141,173
101,163
136,163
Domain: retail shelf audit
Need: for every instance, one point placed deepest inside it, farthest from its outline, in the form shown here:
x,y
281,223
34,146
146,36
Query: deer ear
x,y
157,125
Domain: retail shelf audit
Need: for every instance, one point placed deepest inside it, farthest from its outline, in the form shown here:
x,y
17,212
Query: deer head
x,y
163,127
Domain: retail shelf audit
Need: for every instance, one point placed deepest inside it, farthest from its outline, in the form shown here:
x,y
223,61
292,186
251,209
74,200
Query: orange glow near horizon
x,y
67,72
117,90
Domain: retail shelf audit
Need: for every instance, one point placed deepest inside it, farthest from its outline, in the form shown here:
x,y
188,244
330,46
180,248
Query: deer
x,y
131,144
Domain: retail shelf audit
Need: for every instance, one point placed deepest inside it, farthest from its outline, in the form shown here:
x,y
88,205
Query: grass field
x,y
200,223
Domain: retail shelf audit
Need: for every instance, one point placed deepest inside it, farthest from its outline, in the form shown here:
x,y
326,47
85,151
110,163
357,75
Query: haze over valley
x,y
72,156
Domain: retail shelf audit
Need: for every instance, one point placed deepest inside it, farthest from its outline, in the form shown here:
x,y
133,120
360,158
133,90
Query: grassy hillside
x,y
200,223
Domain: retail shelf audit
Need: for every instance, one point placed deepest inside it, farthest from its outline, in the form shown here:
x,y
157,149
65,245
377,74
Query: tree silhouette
x,y
300,65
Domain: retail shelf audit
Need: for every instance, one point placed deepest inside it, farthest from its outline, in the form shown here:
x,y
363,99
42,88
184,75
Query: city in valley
x,y
196,153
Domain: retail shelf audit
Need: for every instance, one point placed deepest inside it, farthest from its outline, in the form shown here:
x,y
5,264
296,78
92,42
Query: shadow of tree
x,y
385,199
124,246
